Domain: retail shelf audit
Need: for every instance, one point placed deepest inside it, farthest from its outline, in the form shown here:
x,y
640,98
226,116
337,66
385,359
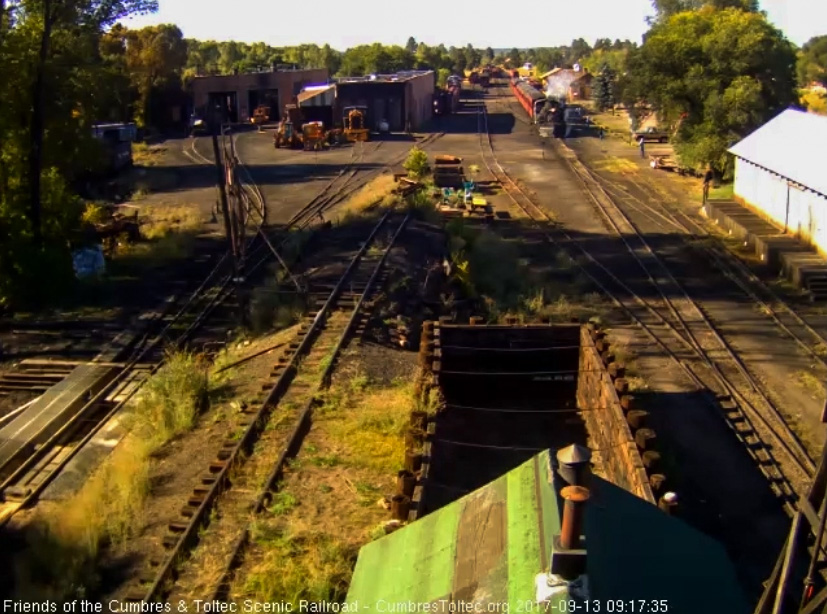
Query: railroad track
x,y
679,326
794,325
273,431
174,326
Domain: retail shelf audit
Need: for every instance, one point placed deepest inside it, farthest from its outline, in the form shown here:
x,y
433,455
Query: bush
x,y
422,207
269,309
23,265
172,399
417,163
94,213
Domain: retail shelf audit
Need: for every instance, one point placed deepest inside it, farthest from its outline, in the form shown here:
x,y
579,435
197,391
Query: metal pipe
x,y
575,498
789,559
810,579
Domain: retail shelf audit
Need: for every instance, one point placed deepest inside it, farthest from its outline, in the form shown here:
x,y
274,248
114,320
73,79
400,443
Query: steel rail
x,y
302,426
158,588
689,372
733,268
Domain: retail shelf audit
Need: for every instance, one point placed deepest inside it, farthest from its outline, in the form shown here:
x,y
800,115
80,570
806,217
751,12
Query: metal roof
x,y
401,76
317,95
489,547
788,145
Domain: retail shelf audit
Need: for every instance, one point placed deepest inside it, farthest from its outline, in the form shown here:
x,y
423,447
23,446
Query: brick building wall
x,y
287,83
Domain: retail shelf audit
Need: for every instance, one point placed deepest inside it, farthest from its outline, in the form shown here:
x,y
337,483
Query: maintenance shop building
x,y
239,95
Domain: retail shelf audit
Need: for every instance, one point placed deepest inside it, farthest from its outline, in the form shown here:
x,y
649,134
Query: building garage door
x,y
378,113
395,115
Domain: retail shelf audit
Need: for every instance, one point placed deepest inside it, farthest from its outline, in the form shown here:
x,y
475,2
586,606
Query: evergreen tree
x,y
604,95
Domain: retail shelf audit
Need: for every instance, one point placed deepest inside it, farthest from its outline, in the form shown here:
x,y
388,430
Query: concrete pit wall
x,y
617,432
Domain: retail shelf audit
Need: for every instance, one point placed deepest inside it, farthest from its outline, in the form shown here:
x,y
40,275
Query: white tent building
x,y
781,173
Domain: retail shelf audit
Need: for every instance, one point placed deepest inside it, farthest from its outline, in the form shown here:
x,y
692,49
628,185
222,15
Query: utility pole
x,y
222,183
225,169
237,224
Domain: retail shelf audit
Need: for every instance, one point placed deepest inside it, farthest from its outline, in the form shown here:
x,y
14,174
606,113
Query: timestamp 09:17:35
x,y
594,606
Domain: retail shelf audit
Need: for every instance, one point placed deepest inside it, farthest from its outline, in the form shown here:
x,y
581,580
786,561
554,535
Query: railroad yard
x,y
395,355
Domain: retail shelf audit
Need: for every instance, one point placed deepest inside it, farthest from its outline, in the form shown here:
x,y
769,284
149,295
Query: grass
x,y
327,506
616,125
170,401
811,384
612,164
724,191
376,194
422,207
147,155
160,221
491,269
170,233
66,540
270,310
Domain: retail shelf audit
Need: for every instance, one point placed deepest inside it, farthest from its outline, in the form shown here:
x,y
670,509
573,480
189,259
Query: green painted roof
x,y
490,545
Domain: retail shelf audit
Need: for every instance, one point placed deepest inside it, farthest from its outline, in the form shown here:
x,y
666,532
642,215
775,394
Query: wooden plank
x,y
36,362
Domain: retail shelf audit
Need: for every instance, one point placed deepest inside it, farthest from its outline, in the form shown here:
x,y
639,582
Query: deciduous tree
x,y
812,62
724,72
50,17
664,9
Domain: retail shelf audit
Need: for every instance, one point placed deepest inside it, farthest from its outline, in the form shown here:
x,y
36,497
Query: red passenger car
x,y
531,99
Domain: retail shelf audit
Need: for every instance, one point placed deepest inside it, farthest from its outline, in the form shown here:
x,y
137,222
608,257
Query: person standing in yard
x,y
642,143
708,177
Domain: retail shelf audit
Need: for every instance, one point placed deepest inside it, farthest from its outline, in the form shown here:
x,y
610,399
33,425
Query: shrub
x,y
422,207
417,163
172,399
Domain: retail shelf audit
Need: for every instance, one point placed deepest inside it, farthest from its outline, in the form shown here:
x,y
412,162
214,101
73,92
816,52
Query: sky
x,y
530,23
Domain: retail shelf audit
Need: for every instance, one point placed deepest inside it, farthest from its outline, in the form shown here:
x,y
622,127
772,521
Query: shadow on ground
x,y
721,491
179,178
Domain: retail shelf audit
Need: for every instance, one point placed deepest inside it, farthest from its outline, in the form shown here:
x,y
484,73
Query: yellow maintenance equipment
x,y
286,135
261,115
289,132
313,136
354,122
